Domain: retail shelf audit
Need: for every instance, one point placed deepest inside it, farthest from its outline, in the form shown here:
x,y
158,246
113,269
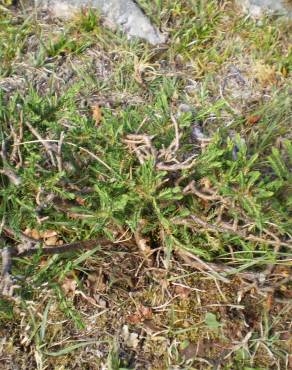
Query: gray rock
x,y
124,13
184,108
256,8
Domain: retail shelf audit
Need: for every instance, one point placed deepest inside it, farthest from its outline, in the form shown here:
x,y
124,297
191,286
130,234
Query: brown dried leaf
x,y
145,312
143,244
134,319
142,313
48,233
80,201
206,184
252,120
27,231
35,234
193,350
52,240
182,292
69,285
96,114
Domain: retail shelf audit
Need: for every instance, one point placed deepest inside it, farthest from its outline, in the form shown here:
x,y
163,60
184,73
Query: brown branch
x,y
6,261
29,246
191,189
186,165
6,281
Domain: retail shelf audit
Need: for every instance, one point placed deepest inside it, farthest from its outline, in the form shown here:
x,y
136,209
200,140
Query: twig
x,y
241,234
6,261
41,140
71,144
3,152
6,282
278,284
200,265
21,249
59,152
142,145
196,262
186,165
14,153
191,189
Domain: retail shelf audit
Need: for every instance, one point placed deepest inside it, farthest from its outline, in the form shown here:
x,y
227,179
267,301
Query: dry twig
x,y
6,282
45,143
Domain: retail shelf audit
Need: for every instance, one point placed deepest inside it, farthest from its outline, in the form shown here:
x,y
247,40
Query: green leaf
x,y
211,321
69,349
44,321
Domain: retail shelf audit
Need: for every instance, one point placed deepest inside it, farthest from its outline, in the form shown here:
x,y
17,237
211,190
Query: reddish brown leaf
x,y
142,313
80,201
145,312
182,291
134,319
252,120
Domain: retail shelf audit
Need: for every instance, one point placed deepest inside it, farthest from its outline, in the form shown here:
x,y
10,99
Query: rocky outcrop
x,y
256,8
124,13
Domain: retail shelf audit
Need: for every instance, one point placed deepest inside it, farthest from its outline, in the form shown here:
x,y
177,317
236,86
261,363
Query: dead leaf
x,y
206,184
252,120
96,114
182,291
35,234
193,350
80,201
134,319
142,313
150,327
52,240
69,285
145,312
144,247
269,302
27,231
48,234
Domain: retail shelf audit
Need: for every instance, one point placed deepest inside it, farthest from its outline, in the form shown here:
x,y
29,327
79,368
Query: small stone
x,y
197,133
257,8
184,108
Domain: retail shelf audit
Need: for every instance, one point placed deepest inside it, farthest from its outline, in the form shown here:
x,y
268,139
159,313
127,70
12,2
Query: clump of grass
x,y
241,174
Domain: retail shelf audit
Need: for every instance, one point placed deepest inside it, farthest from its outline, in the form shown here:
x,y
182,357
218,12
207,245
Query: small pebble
x,y
197,133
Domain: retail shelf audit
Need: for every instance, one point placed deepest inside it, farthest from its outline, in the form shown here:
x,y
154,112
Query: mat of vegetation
x,y
145,192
